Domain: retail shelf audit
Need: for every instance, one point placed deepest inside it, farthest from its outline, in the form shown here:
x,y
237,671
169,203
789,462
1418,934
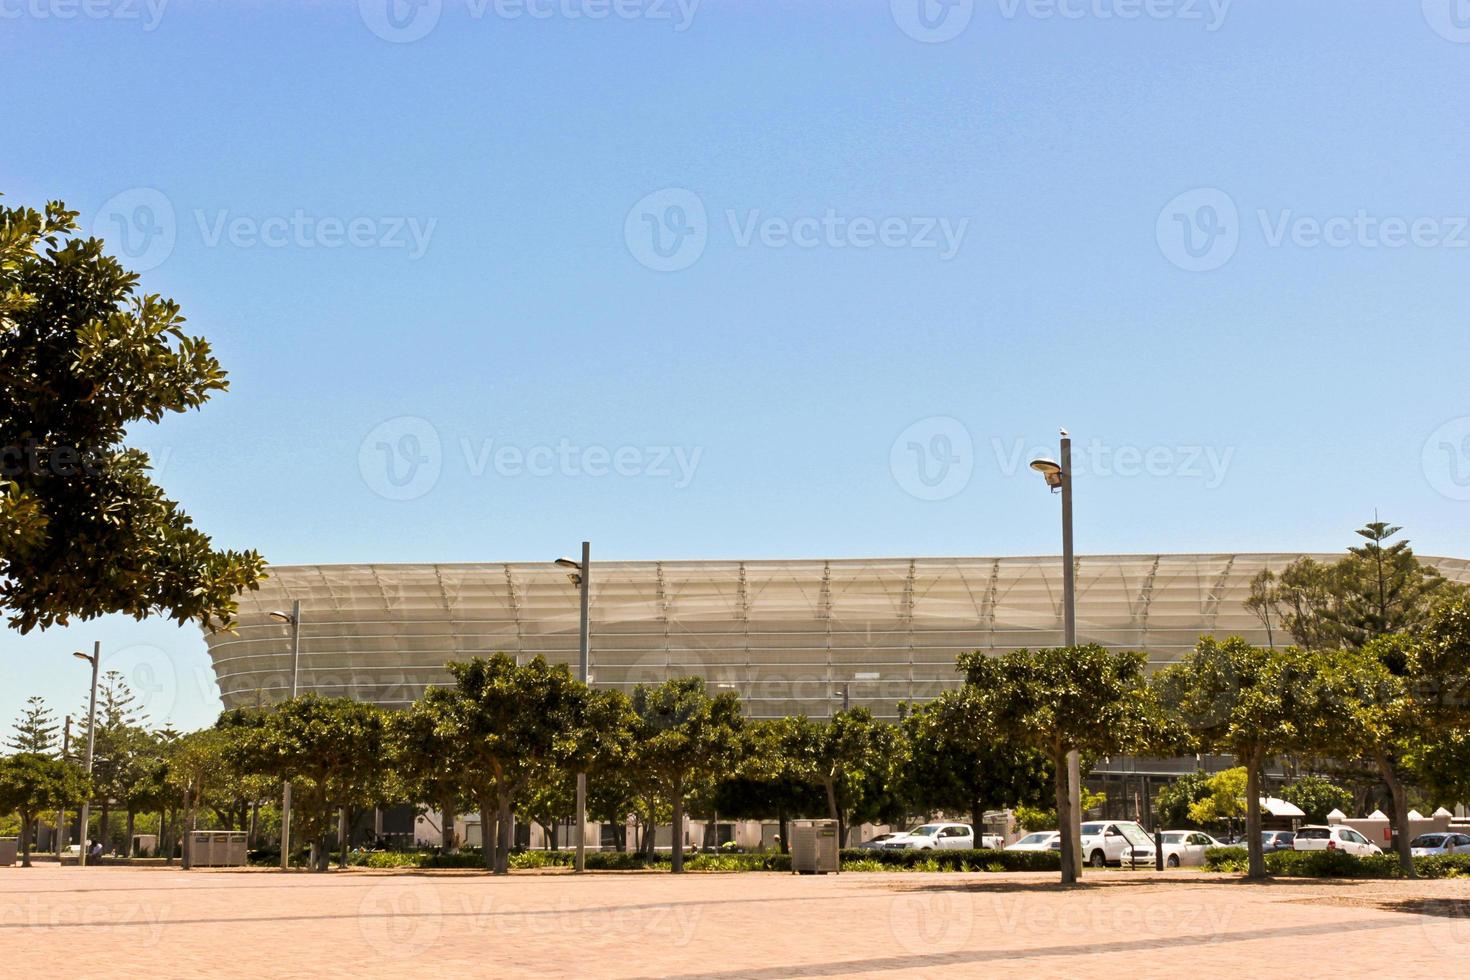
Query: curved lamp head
x,y
281,617
82,656
1048,468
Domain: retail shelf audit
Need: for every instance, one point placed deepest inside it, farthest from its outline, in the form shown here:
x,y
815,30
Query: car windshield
x,y
1428,840
928,830
1314,833
1135,834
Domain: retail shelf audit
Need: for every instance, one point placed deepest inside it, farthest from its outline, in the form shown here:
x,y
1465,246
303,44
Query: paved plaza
x,y
120,922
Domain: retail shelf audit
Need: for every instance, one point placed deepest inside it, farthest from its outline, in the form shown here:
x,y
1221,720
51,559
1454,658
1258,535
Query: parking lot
x,y
151,923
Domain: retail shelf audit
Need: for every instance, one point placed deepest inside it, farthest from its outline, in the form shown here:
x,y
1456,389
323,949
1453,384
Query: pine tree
x,y
35,730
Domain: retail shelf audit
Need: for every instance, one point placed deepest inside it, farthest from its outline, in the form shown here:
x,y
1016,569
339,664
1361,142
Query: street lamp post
x,y
582,578
293,618
95,659
1059,478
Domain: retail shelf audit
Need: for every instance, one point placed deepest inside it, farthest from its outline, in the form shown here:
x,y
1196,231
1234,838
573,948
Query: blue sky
x,y
738,279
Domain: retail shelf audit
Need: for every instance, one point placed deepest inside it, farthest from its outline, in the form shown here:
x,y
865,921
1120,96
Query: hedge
x,y
1336,864
853,859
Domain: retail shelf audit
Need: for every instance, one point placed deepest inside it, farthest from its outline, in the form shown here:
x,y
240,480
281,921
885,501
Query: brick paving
x,y
126,922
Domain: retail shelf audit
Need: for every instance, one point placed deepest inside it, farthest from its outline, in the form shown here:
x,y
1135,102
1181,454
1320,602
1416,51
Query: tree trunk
x,y
104,823
1400,813
677,835
26,823
977,821
344,832
446,830
1253,843
487,834
132,818
834,812
781,831
252,838
1064,819
506,827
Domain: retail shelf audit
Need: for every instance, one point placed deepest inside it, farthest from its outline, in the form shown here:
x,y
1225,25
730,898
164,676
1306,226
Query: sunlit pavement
x,y
154,923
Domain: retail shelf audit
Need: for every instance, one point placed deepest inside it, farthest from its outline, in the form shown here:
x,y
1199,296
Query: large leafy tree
x,y
1376,589
1059,700
958,764
850,758
1251,703
84,355
684,740
515,722
1316,796
1174,799
332,750
32,784
430,759
35,729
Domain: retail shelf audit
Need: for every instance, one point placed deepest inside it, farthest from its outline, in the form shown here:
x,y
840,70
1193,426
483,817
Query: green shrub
x,y
975,860
1336,864
1227,859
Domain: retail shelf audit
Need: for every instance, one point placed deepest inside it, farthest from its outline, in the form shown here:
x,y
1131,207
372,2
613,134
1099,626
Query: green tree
x,y
850,758
1317,796
332,750
1374,590
957,764
685,739
1224,801
121,753
515,722
35,729
1174,799
1251,703
1045,818
1059,700
84,357
32,784
431,760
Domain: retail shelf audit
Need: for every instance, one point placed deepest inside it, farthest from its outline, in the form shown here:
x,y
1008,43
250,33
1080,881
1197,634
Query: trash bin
x,y
217,849
814,847
8,849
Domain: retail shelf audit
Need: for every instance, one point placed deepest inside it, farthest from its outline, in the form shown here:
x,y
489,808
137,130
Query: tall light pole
x,y
293,618
582,578
1059,478
95,659
61,831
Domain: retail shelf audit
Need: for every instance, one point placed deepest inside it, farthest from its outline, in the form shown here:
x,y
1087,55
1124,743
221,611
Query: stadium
x,y
788,636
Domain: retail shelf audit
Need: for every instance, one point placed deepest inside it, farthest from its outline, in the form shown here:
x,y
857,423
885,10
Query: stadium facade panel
x,y
789,636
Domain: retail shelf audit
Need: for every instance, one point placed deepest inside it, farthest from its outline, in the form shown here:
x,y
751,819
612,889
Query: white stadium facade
x,y
788,636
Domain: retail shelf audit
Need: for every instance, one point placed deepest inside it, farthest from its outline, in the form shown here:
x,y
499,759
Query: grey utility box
x,y
8,846
217,849
814,847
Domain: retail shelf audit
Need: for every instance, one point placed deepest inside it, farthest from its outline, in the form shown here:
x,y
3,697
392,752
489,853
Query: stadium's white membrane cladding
x,y
787,635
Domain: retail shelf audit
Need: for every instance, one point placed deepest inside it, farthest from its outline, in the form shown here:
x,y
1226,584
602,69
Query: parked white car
x,y
877,841
1039,841
1337,838
1118,842
934,836
1186,848
1429,845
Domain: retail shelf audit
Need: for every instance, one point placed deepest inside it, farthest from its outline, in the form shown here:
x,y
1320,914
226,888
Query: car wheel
x,y
1098,859
1173,860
